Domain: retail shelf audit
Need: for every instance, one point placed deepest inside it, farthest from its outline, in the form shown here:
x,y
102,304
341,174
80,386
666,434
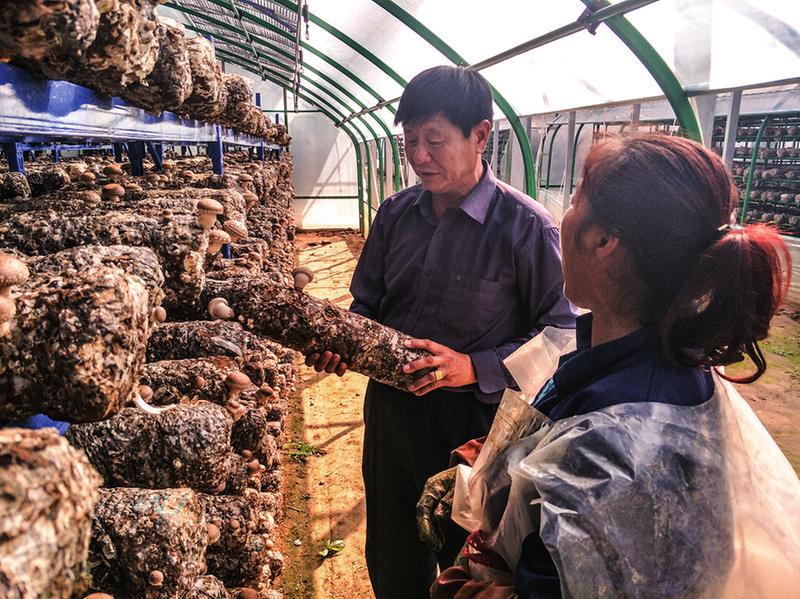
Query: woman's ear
x,y
600,244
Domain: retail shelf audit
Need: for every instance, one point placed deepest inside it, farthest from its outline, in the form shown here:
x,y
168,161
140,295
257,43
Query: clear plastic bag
x,y
479,488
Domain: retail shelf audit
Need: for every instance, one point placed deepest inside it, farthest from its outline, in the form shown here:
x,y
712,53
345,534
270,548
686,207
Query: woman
x,y
644,481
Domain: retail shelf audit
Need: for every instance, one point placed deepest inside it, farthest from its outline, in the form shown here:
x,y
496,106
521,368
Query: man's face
x,y
442,157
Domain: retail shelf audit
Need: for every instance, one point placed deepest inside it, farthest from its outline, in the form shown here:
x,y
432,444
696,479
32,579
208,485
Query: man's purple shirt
x,y
482,280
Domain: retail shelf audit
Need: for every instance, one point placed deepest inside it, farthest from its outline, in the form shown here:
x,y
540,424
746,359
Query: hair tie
x,y
728,227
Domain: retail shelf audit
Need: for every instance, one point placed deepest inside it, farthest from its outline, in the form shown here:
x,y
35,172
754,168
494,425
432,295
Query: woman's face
x,y
577,271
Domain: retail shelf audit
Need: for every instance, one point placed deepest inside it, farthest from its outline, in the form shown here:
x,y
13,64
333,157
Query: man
x,y
472,268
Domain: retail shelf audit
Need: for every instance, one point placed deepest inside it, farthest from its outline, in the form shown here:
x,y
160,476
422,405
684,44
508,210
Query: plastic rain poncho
x,y
640,499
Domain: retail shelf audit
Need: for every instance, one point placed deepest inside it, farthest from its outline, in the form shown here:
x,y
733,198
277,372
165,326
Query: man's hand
x,y
451,368
434,506
328,362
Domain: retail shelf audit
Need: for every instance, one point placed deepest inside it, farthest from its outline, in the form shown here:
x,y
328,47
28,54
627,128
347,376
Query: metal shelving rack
x,y
41,114
766,167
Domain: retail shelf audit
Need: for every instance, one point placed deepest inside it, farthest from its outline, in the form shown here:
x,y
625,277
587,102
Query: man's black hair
x,y
461,95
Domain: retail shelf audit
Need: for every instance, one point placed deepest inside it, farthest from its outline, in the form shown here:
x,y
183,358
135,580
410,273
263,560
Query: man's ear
x,y
481,131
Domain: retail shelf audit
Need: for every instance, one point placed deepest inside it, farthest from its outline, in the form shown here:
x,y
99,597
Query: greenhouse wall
x,y
325,166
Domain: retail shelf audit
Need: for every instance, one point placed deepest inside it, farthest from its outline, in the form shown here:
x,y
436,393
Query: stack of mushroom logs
x,y
119,315
121,48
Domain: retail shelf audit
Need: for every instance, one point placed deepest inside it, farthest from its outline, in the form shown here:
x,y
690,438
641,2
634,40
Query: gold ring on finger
x,y
437,375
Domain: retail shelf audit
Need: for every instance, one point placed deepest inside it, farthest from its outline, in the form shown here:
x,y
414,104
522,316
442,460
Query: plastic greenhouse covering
x,y
370,48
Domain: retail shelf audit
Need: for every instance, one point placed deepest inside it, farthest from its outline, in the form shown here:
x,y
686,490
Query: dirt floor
x,y
323,492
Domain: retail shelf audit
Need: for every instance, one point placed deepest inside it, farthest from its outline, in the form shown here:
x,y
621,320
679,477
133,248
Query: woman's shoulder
x,y
643,377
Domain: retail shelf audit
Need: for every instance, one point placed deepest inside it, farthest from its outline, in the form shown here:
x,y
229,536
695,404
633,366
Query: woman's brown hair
x,y
711,287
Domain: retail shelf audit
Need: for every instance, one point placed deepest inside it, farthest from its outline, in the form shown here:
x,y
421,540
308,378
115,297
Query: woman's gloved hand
x,y
434,506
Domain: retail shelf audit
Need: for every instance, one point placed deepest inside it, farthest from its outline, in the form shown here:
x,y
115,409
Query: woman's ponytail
x,y
730,296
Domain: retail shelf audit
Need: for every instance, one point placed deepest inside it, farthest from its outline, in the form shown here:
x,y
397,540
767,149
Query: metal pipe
x,y
575,158
731,125
584,21
746,199
495,159
505,107
297,60
285,114
570,157
656,66
579,25
550,156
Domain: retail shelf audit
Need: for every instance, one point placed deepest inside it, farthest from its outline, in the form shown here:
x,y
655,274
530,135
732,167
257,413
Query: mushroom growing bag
x,y
651,500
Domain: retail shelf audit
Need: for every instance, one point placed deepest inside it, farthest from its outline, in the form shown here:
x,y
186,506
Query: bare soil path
x,y
324,495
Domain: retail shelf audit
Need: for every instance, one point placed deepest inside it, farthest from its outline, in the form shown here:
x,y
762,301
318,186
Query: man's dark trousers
x,y
407,439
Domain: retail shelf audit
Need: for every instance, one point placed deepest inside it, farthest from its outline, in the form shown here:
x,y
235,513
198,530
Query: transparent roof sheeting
x,y
370,48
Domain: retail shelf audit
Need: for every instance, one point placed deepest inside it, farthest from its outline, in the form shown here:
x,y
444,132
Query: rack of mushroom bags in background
x,y
37,111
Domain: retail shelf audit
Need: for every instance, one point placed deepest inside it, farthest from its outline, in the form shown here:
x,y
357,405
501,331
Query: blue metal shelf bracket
x,y
215,152
136,155
156,151
119,148
16,161
260,149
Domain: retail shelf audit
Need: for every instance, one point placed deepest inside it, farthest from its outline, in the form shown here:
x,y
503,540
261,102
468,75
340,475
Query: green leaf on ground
x,y
332,548
300,451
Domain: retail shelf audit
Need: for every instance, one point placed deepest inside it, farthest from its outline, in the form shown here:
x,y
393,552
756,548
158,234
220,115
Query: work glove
x,y
434,507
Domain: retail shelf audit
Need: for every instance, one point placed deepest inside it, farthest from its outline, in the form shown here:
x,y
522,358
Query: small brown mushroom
x,y
253,466
113,170
199,382
113,191
145,392
302,277
153,178
235,229
99,596
91,199
155,578
219,309
213,533
250,199
248,593
245,178
247,454
12,272
87,177
234,524
236,382
159,314
207,210
216,238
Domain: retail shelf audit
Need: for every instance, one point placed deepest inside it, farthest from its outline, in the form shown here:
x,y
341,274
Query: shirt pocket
x,y
473,306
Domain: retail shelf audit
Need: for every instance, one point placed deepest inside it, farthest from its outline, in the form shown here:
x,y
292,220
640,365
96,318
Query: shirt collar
x,y
587,362
475,205
477,202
